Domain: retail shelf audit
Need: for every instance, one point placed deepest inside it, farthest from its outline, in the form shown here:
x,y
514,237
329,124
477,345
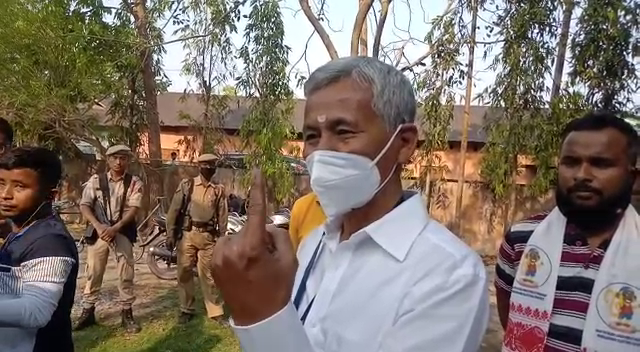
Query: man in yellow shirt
x,y
306,215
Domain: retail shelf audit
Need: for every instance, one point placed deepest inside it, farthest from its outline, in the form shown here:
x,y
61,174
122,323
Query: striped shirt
x,y
38,270
579,266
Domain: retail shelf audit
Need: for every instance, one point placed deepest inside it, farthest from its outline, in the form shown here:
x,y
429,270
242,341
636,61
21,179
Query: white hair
x,y
393,97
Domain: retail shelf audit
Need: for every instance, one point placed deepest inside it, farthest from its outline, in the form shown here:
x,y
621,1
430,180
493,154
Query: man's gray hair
x,y
393,97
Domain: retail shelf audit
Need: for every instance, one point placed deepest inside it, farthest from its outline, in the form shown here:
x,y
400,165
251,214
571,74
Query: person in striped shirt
x,y
596,169
39,260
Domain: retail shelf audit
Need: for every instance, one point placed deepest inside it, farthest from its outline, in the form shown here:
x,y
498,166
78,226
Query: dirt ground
x,y
148,288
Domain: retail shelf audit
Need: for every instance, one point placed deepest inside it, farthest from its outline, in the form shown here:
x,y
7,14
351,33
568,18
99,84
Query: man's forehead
x,y
120,155
602,142
329,120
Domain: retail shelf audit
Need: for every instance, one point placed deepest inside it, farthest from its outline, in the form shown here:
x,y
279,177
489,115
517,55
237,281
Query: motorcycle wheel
x,y
138,252
158,266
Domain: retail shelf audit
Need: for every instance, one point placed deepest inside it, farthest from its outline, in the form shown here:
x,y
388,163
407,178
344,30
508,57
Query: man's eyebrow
x,y
309,127
340,121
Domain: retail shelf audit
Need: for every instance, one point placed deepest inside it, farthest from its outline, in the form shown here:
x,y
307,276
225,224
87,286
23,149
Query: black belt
x,y
201,224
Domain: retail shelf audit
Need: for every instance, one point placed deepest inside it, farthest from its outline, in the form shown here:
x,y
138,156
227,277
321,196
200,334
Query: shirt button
x,y
579,243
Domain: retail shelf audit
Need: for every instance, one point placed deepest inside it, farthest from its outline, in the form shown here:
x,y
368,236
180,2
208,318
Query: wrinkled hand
x,y
255,269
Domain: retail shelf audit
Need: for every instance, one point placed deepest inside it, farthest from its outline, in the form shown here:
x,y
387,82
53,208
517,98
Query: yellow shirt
x,y
306,215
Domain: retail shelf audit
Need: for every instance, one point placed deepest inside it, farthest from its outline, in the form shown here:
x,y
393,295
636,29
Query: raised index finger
x,y
254,228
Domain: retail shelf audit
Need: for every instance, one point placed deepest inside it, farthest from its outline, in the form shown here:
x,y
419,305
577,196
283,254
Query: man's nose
x,y
584,173
6,192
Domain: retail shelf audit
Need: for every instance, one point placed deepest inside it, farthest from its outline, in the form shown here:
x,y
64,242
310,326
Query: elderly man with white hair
x,y
380,274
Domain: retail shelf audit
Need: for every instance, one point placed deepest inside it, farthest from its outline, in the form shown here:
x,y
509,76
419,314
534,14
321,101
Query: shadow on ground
x,y
193,333
160,331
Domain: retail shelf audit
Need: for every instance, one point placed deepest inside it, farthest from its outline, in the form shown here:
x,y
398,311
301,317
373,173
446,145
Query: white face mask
x,y
345,181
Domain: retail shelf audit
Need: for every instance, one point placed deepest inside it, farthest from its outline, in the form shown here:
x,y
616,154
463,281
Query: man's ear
x,y
408,137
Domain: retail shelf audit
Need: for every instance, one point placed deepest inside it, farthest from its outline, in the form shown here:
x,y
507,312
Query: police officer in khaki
x,y
196,218
119,204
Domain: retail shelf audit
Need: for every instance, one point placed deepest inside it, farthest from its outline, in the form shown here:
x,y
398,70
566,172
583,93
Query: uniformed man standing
x,y
116,195
197,217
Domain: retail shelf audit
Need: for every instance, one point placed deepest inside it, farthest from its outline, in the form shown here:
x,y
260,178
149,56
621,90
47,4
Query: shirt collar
x,y
198,181
111,177
395,232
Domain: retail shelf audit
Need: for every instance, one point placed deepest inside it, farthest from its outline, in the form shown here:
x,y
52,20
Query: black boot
x,y
87,318
184,318
128,323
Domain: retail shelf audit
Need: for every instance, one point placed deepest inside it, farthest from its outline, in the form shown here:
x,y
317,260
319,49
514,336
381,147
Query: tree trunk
x,y
361,18
427,190
364,34
465,124
569,5
384,11
510,207
139,11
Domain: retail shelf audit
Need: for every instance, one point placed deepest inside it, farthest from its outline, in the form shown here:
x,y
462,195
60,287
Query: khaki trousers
x,y
196,249
97,259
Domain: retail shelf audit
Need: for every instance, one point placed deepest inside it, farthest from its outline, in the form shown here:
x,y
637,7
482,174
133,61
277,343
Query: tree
x,y
58,59
518,93
606,41
265,82
127,103
393,53
567,12
437,92
209,59
473,7
142,22
231,91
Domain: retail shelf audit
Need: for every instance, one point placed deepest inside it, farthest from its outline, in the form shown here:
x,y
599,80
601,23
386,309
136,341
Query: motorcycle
x,y
162,261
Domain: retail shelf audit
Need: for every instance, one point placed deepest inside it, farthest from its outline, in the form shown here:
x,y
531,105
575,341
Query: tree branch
x,y
380,26
363,10
400,54
322,33
421,59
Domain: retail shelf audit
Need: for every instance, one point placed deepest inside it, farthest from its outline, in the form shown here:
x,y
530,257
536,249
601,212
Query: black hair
x,y
6,130
43,161
600,120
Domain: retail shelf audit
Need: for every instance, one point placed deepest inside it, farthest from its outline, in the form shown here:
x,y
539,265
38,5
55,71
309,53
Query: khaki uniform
x,y
98,253
208,206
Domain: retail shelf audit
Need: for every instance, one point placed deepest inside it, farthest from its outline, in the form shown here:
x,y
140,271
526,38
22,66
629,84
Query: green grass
x,y
160,332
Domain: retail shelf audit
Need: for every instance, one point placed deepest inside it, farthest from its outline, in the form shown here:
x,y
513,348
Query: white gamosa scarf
x,y
613,319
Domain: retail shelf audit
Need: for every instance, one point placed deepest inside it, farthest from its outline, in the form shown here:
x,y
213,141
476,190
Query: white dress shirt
x,y
402,284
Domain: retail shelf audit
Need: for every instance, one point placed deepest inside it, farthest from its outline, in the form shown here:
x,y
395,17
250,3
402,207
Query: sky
x,y
404,23
409,20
